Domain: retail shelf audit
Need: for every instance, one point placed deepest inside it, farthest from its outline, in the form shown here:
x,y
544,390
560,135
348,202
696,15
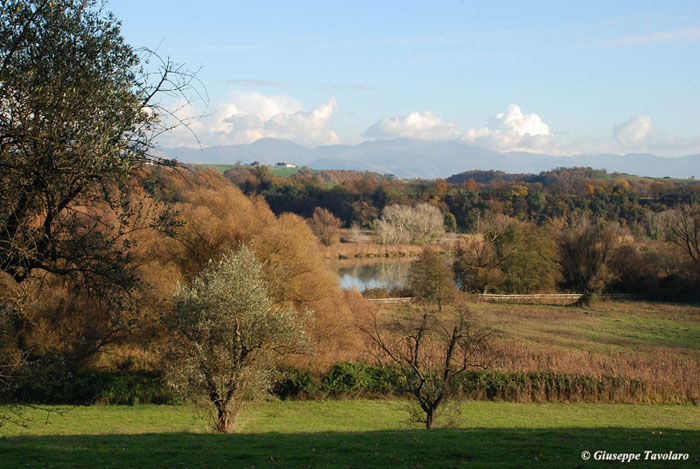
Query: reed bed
x,y
627,352
373,249
659,375
369,250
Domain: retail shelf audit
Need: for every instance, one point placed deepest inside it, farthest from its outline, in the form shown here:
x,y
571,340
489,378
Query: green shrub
x,y
90,387
343,380
298,385
346,379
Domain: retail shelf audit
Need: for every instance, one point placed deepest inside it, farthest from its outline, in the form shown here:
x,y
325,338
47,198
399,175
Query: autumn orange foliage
x,y
216,218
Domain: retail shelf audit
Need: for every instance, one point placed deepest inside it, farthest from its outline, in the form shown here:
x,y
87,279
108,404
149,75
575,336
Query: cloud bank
x,y
505,131
422,126
251,116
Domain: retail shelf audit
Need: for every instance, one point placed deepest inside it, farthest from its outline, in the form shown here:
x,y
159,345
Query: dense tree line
x,y
465,199
574,229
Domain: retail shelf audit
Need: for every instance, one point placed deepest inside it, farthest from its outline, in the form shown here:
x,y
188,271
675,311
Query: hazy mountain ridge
x,y
426,159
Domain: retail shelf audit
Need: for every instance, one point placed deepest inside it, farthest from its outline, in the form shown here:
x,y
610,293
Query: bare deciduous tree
x,y
684,231
430,349
356,235
586,247
402,224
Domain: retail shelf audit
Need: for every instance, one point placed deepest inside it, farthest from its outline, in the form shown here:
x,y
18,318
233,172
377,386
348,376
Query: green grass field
x,y
221,168
624,337
349,433
279,172
612,326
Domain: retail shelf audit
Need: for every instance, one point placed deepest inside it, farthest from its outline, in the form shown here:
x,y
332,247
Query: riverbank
x,y
366,246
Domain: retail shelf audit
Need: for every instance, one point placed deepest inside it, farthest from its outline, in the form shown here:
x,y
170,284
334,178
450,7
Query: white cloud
x,y
636,135
512,130
506,131
634,131
250,116
422,126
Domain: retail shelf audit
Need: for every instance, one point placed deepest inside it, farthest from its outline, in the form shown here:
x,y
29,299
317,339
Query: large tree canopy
x,y
77,114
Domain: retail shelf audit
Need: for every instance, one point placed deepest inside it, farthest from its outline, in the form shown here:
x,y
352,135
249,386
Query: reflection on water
x,y
391,273
387,274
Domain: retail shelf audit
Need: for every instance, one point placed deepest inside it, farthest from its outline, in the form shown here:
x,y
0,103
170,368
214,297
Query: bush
x,y
352,380
92,387
344,380
298,385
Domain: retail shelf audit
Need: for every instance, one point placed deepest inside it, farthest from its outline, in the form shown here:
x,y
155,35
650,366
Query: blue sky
x,y
557,77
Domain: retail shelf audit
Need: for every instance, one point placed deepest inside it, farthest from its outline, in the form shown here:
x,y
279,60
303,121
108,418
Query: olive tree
x,y
226,335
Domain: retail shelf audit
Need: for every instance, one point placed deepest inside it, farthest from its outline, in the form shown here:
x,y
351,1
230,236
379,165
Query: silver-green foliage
x,y
227,335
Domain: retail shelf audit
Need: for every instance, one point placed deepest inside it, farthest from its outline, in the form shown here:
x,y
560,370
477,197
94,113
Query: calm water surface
x,y
374,273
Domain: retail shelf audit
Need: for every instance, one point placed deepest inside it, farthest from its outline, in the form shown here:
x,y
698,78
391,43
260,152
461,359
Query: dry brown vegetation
x,y
371,248
218,217
213,217
656,344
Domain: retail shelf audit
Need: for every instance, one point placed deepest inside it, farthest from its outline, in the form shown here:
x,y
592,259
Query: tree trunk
x,y
225,418
429,419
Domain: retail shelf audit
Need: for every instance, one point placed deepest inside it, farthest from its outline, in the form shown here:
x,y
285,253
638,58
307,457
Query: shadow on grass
x,y
402,448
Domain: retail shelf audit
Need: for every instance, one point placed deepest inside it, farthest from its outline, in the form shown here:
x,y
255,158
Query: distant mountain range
x,y
424,159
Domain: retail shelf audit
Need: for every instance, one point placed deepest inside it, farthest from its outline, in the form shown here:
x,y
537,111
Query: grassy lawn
x,y
349,434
